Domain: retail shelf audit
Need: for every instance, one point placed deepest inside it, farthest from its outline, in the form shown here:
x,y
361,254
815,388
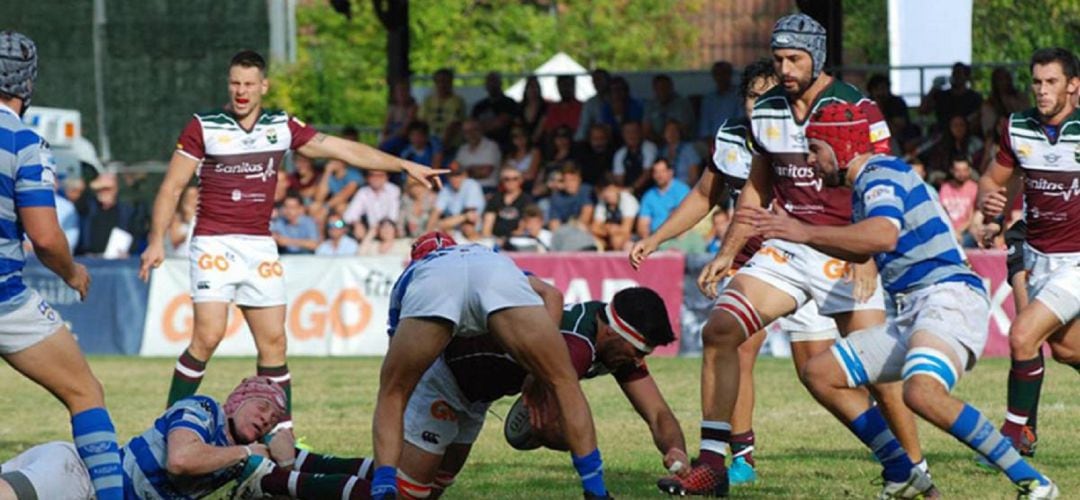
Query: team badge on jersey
x,y
271,136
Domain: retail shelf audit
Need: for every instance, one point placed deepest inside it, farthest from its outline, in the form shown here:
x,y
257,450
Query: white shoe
x,y
1032,489
248,483
918,486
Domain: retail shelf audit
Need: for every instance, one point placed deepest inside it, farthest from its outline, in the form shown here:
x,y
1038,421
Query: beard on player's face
x,y
823,160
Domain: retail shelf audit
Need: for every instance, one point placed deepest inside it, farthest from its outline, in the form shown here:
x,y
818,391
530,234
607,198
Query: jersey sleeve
x,y
1006,157
631,372
191,143
581,353
731,151
879,128
301,132
882,195
192,415
35,175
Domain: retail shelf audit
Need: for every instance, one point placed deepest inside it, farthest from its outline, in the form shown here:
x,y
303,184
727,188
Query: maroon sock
x,y
715,437
742,445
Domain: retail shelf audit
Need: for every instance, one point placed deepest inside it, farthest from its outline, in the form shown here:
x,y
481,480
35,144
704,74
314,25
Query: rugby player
x,y
448,408
193,449
782,275
236,153
1041,144
466,291
942,309
33,337
810,332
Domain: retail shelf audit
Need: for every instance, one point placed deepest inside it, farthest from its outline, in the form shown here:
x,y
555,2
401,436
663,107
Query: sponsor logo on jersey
x,y
237,195
224,139
772,133
1055,189
1076,153
1052,158
248,142
430,437
804,175
1023,151
799,138
250,170
879,194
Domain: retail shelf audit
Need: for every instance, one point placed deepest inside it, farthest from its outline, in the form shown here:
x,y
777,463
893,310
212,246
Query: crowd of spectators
x,y
538,175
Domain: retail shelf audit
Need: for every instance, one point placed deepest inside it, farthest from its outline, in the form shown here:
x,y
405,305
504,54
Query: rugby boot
x,y
741,472
1032,489
248,485
918,486
703,480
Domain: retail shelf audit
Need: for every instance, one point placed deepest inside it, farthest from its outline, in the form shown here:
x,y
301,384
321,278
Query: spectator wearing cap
x,y
293,231
400,113
957,100
479,156
444,110
595,156
661,199
423,148
613,219
667,105
378,200
459,203
593,109
632,161
495,113
680,154
720,105
504,210
572,202
105,212
338,243
566,112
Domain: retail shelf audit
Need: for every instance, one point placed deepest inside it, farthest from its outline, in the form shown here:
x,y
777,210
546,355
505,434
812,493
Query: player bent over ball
x,y
942,311
447,410
193,449
466,291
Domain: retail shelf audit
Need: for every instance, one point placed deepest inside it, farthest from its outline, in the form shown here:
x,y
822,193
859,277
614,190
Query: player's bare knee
x,y
721,332
821,374
1024,341
922,392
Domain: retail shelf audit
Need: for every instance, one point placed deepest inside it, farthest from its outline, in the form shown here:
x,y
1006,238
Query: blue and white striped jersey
x,y
926,252
145,456
27,179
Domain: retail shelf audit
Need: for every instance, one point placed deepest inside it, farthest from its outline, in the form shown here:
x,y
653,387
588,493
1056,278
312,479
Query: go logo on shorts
x,y
441,410
835,269
270,269
207,262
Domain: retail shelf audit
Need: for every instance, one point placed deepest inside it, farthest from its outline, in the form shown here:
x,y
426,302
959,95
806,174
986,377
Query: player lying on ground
x,y
447,410
237,154
469,290
192,450
1040,144
942,310
33,337
782,276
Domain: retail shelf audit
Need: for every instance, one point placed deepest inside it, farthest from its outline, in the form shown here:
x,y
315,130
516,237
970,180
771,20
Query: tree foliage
x,y
340,73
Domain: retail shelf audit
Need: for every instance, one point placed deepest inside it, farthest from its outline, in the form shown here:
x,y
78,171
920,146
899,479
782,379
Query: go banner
x,y
336,307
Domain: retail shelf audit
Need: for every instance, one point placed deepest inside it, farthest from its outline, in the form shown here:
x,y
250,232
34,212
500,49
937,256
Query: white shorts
x,y
438,414
236,268
1054,280
464,287
28,324
954,312
808,275
803,325
53,469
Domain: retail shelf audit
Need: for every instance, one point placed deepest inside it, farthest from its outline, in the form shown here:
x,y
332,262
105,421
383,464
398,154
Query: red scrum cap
x,y
430,242
257,388
844,127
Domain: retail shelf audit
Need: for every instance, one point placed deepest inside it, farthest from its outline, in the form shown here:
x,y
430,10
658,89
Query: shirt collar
x,y
4,107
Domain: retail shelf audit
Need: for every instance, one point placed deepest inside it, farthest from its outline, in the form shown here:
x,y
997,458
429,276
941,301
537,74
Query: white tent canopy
x,y
559,64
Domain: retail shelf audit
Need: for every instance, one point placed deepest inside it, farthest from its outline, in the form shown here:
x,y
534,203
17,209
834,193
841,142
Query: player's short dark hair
x,y
644,309
1064,57
418,126
876,80
608,179
761,68
532,211
569,167
249,59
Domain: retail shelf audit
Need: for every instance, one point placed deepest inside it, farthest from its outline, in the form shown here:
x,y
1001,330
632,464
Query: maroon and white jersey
x,y
238,168
797,185
1051,178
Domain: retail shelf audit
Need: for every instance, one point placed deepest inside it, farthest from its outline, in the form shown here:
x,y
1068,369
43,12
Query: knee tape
x,y
741,309
848,358
932,363
411,488
443,480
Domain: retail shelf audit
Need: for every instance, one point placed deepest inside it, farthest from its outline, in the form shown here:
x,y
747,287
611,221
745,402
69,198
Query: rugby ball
x,y
517,429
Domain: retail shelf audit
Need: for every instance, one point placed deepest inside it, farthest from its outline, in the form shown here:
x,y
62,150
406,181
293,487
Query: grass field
x,y
803,452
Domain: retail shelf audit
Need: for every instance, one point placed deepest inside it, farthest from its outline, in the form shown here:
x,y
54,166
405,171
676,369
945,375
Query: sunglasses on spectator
x,y
338,224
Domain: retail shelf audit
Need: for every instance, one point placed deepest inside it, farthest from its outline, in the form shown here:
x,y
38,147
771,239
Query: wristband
x,y
247,449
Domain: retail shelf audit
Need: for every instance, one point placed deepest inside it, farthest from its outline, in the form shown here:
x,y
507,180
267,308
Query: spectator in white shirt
x,y
479,156
613,218
378,200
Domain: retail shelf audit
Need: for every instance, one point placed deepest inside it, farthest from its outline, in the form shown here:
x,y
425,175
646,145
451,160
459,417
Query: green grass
x,y
803,452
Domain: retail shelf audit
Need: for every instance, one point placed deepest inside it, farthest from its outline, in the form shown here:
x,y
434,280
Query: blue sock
x,y
384,481
591,469
979,434
871,429
95,439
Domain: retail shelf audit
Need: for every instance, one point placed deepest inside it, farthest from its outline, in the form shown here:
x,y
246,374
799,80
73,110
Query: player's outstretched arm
x,y
189,455
367,157
690,211
644,394
181,169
